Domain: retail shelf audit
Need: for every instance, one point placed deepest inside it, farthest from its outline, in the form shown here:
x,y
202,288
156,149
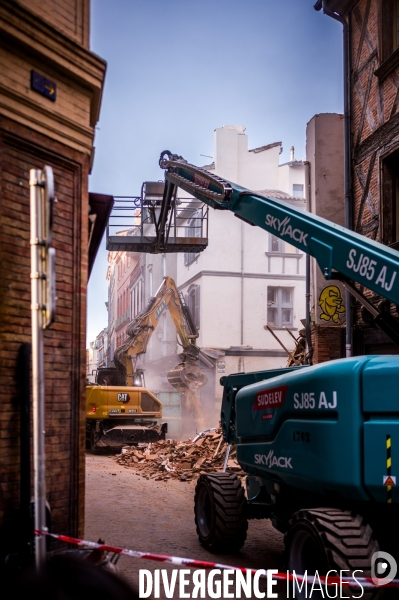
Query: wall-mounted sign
x,y
221,366
331,304
43,86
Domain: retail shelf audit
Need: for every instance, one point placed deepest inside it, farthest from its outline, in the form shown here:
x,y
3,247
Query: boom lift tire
x,y
323,539
220,512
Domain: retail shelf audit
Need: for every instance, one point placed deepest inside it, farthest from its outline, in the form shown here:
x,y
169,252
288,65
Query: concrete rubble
x,y
169,459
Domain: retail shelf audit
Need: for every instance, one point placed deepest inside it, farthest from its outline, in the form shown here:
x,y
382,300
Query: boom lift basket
x,y
158,221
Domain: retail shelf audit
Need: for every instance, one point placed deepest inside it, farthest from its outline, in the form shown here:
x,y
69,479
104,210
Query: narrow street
x,y
127,510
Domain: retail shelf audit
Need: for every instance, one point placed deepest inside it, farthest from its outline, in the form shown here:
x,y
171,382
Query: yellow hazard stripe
x,y
389,467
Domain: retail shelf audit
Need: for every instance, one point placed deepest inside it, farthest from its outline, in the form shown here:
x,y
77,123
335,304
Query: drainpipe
x,y
308,333
242,284
149,267
23,374
347,152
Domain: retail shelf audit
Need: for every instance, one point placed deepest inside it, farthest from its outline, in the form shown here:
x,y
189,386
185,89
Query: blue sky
x,y
178,69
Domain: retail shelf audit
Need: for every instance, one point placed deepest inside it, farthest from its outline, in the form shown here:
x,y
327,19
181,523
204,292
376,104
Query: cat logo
x,y
125,398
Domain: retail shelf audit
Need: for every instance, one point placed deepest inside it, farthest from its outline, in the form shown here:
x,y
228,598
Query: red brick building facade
x,y
37,128
373,103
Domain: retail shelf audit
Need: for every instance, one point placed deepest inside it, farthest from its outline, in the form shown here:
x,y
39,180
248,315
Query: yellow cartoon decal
x,y
331,303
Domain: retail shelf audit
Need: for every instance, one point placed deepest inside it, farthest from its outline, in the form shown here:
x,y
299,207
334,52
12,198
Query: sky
x,y
179,69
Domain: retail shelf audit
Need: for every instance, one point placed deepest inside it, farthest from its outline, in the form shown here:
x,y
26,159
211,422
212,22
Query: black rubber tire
x,y
94,449
220,512
327,538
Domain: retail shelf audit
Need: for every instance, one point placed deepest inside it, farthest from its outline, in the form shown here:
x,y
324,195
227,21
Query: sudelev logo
x,y
272,398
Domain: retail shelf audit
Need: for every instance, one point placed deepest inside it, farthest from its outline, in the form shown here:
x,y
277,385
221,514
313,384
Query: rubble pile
x,y
168,459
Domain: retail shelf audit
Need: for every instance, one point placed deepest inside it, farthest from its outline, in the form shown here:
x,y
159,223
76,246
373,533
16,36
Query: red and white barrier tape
x,y
201,564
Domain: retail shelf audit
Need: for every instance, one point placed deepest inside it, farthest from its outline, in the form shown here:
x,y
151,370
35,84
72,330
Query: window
x,y
389,28
193,303
297,190
194,229
279,306
136,299
275,244
390,201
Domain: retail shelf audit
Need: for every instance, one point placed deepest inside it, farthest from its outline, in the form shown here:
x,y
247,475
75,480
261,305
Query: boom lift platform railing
x,y
158,221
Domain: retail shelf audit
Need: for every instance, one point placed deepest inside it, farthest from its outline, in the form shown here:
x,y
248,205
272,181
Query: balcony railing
x,y
124,318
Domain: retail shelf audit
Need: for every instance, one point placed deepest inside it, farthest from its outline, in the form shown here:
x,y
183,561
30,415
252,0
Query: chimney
x,y
292,158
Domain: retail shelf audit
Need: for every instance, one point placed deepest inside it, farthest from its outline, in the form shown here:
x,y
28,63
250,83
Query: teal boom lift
x,y
320,444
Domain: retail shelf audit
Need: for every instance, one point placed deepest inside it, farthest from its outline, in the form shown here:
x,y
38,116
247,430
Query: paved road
x,y
127,510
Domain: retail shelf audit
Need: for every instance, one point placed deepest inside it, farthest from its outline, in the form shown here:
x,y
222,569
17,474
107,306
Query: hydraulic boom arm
x,y
340,253
141,329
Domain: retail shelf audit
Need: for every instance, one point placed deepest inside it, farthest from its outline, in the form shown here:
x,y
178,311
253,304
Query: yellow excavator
x,y
119,408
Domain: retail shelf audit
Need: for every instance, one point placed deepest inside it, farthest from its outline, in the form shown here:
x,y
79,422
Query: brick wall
x,y
64,342
50,37
327,343
374,135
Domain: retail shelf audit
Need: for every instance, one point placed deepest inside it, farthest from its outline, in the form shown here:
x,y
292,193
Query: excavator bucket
x,y
186,376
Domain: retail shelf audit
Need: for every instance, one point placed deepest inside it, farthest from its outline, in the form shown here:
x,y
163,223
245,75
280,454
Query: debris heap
x,y
168,459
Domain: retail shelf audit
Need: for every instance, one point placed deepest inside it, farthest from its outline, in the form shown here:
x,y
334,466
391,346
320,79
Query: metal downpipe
x,y
347,159
308,333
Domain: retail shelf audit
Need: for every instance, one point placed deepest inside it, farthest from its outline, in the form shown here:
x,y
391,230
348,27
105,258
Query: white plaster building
x,y
91,363
97,355
247,278
243,281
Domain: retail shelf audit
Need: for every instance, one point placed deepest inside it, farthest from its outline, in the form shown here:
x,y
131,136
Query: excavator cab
x,y
138,378
107,376
110,376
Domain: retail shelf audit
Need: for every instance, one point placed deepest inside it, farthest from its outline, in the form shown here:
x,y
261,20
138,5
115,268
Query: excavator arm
x,y
340,253
187,374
